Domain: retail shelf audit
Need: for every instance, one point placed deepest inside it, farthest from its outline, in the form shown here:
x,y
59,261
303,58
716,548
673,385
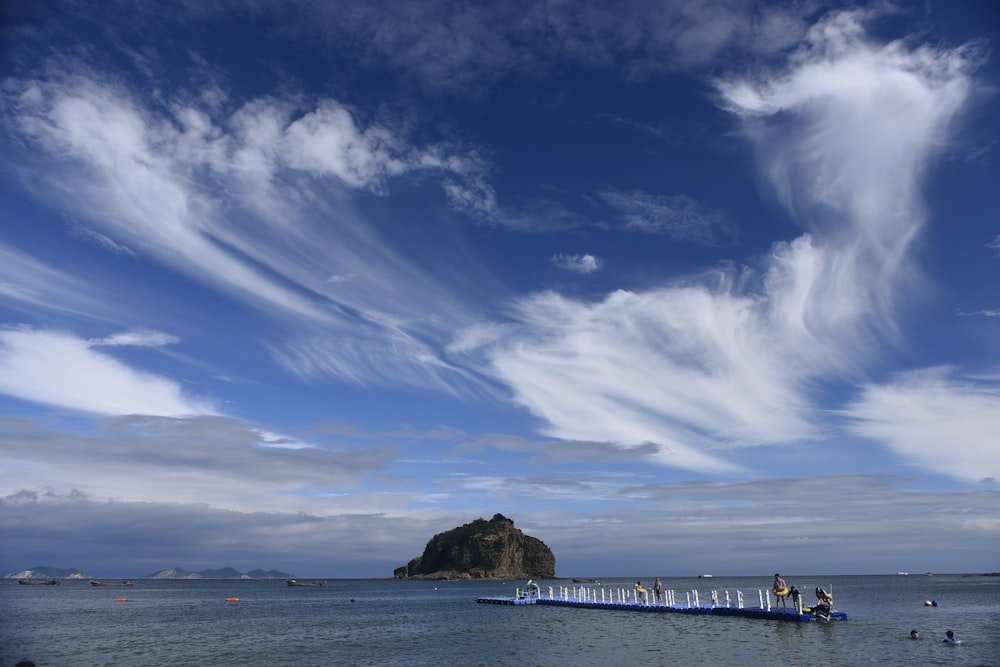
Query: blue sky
x,y
679,287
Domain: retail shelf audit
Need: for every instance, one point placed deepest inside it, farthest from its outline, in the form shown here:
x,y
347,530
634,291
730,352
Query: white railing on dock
x,y
625,596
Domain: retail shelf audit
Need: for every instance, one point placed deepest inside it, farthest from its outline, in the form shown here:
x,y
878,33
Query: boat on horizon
x,y
296,582
38,582
112,583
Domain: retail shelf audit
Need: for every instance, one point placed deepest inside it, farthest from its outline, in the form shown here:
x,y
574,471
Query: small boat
x,y
296,582
38,582
112,583
704,576
586,581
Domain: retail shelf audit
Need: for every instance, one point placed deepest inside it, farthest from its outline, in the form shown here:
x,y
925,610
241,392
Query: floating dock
x,y
618,599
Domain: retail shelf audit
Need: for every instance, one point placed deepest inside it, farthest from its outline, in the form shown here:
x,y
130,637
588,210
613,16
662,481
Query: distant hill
x,y
270,574
224,573
492,549
47,572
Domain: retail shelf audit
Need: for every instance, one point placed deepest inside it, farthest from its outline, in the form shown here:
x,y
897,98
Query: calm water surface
x,y
366,622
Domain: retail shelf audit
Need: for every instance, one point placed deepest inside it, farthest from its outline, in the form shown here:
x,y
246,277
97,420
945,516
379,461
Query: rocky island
x,y
492,549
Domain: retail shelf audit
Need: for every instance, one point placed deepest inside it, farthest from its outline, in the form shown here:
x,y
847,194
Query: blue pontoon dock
x,y
619,599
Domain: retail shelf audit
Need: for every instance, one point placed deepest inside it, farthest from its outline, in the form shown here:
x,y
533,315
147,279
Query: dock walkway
x,y
617,599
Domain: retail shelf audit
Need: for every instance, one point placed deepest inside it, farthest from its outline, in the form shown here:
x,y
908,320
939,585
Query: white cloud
x,y
136,338
328,141
935,421
844,137
58,369
577,263
685,369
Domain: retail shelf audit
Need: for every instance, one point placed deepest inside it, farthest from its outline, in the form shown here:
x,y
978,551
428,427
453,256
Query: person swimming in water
x,y
823,606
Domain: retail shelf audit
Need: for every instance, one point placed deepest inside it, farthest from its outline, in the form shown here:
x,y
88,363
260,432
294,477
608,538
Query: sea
x,y
411,623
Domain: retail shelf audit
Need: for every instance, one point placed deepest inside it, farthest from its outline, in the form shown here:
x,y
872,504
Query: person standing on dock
x,y
531,589
780,589
640,592
658,591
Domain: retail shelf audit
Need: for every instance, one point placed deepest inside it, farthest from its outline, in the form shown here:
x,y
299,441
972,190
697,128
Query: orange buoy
x,y
232,599
121,599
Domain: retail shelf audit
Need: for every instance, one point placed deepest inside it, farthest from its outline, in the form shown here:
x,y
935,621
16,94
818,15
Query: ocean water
x,y
412,623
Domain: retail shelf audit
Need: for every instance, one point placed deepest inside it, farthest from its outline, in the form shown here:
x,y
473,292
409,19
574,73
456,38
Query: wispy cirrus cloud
x,y
678,217
242,203
30,283
995,244
457,48
979,313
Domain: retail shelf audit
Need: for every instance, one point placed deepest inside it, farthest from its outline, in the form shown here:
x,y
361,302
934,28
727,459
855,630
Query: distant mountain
x,y
270,574
174,573
47,572
224,573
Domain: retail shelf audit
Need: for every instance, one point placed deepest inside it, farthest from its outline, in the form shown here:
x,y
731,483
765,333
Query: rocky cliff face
x,y
492,549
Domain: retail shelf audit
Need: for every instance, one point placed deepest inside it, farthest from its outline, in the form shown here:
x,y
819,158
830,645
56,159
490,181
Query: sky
x,y
679,287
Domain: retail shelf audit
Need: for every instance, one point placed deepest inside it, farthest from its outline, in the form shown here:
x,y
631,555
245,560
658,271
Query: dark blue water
x,y
367,622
